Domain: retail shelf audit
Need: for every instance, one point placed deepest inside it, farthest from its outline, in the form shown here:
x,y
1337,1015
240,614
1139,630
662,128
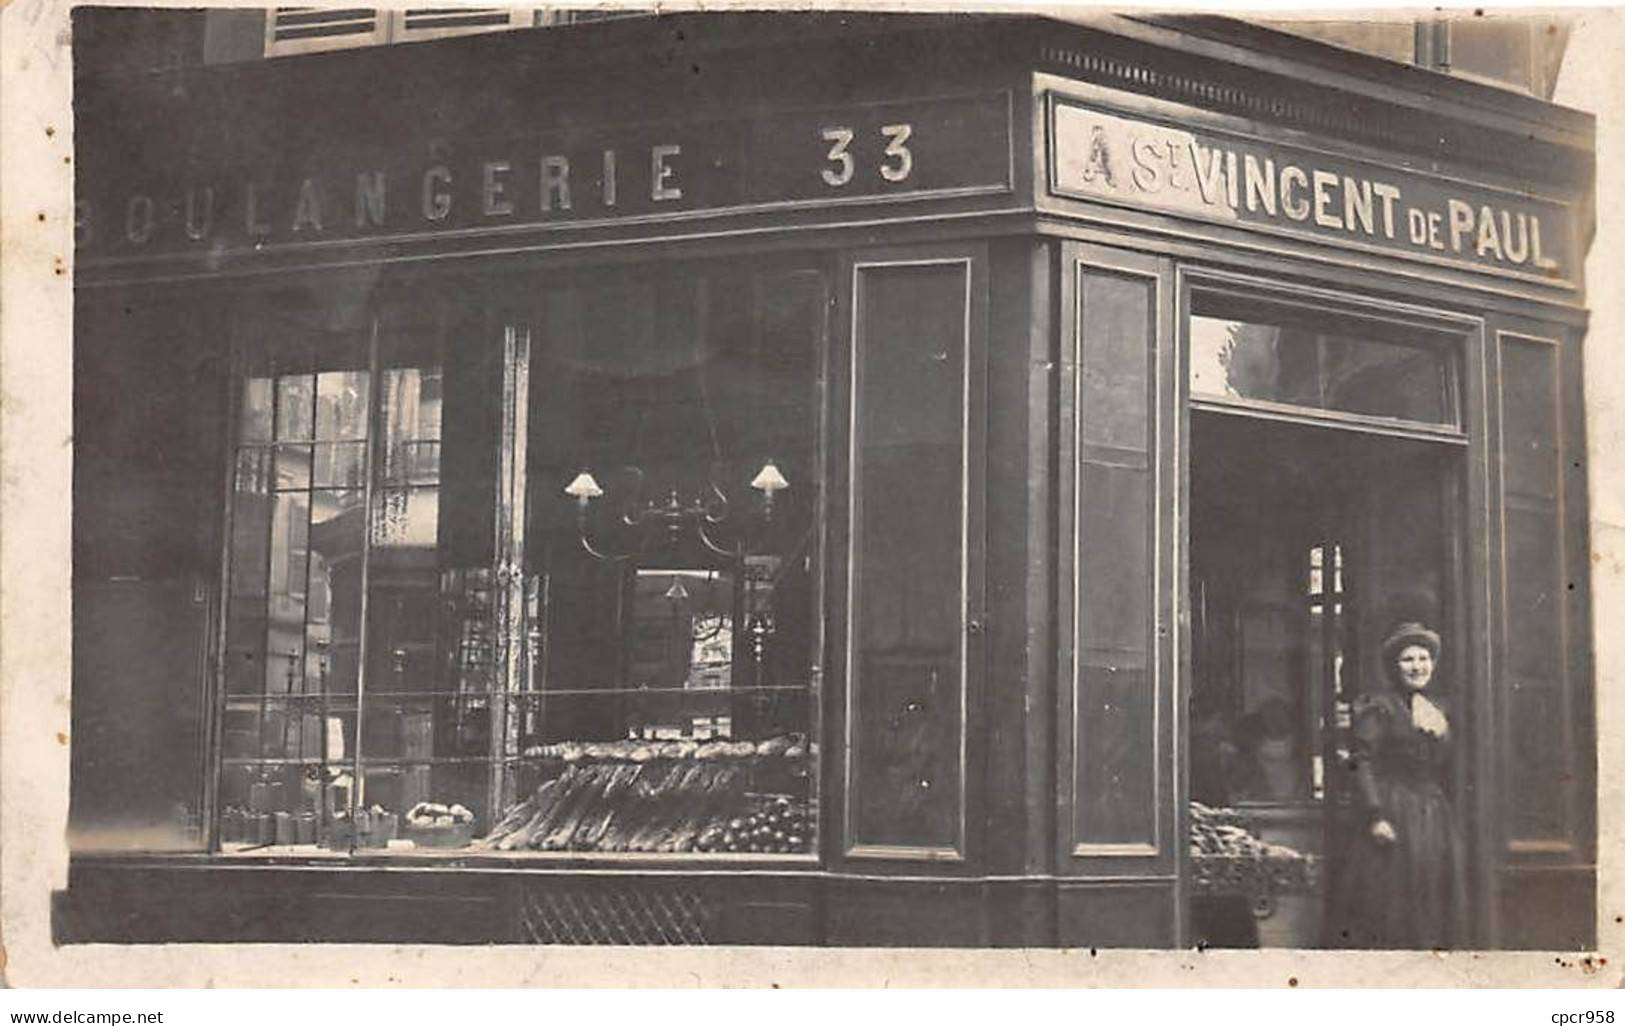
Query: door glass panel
x,y
1240,351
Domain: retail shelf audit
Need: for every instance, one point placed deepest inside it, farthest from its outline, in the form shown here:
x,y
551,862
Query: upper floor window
x,y
1513,51
294,30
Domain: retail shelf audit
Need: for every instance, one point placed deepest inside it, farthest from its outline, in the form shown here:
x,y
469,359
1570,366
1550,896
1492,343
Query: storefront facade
x,y
552,498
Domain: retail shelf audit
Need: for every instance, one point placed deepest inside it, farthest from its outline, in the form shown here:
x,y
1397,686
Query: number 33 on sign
x,y
896,166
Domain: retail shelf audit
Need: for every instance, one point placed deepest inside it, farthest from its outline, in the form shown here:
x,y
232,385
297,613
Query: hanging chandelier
x,y
644,524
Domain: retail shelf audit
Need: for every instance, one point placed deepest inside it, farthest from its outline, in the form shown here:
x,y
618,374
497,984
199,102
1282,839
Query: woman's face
x,y
1415,667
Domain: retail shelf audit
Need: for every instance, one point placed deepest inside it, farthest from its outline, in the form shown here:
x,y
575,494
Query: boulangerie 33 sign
x,y
174,201
1292,190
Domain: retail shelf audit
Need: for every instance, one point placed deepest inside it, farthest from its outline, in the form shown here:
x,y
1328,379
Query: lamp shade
x,y
769,480
583,487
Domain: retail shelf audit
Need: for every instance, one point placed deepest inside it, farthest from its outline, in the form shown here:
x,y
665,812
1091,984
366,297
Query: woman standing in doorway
x,y
1406,877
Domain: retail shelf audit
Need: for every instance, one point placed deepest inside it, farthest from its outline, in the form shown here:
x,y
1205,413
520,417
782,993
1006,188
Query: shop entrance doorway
x,y
1306,543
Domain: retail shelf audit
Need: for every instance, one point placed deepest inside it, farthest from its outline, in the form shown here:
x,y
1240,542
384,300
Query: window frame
x,y
517,324
1453,332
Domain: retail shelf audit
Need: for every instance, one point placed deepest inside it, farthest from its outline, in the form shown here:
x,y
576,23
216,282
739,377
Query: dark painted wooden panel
x,y
911,339
1116,916
1115,800
770,922
1019,708
1114,723
1539,761
872,914
1549,909
153,905
138,715
1021,914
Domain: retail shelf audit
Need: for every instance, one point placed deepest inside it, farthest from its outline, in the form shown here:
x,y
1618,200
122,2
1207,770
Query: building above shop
x,y
1512,51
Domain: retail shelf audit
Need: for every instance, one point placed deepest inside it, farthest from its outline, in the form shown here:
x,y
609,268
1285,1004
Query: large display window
x,y
538,581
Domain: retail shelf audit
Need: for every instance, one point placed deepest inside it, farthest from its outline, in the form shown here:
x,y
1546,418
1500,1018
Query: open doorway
x,y
1306,543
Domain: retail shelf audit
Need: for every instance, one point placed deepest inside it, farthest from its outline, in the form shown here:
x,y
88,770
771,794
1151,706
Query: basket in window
x,y
1226,858
435,825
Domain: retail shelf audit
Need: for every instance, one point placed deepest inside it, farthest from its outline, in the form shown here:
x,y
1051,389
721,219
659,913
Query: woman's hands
x,y
1383,831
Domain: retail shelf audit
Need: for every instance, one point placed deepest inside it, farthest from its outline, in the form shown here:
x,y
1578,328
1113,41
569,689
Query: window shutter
x,y
292,30
438,22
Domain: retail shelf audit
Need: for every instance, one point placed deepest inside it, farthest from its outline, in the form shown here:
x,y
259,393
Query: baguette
x,y
547,795
569,797
580,806
597,821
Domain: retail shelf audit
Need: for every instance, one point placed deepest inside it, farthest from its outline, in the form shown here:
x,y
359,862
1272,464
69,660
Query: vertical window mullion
x,y
216,766
267,462
369,490
298,705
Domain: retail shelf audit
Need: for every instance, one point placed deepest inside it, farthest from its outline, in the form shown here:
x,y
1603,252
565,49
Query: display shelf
x,y
309,760
554,861
780,746
665,807
337,701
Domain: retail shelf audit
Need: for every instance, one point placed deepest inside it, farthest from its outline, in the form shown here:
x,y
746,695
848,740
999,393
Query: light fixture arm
x,y
672,516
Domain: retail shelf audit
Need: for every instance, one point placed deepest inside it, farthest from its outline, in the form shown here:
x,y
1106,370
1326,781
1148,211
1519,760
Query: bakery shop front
x,y
850,480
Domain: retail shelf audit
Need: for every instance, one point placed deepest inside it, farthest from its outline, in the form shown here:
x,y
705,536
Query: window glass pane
x,y
249,573
1496,48
292,467
1393,39
341,404
339,464
293,614
668,701
295,416
285,641
637,704
406,517
332,630
257,412
420,750
412,411
1258,355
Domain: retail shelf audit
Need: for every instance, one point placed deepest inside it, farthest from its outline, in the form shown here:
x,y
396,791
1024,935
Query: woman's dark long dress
x,y
1410,893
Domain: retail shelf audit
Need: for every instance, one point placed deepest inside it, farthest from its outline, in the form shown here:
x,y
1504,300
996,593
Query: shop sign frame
x,y
1172,160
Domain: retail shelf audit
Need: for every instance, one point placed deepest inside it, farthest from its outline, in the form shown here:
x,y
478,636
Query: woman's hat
x,y
1410,633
